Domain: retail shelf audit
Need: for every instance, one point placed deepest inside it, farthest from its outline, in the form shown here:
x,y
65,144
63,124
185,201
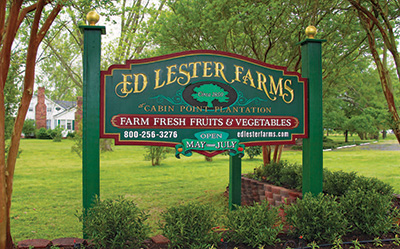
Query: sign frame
x,y
212,54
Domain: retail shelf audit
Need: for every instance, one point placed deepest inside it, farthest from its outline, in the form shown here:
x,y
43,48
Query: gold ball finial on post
x,y
311,31
92,17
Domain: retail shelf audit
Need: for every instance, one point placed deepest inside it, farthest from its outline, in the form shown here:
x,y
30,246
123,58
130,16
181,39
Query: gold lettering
x,y
124,84
238,72
169,74
274,88
249,77
261,84
186,73
194,75
290,90
206,69
137,82
219,69
158,79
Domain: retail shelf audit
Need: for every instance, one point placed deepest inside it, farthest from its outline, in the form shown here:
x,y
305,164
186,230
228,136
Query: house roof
x,y
59,115
65,104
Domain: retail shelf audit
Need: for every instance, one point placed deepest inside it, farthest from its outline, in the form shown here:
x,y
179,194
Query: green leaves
x,y
256,225
116,224
368,211
318,218
190,226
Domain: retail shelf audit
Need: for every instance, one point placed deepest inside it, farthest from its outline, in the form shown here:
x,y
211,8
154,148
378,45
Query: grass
x,y
48,182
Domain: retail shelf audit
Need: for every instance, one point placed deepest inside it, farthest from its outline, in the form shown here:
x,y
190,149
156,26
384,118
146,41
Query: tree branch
x,y
49,21
6,45
69,70
3,5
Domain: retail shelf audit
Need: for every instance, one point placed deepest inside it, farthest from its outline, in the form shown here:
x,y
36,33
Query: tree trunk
x,y
346,136
266,149
7,169
3,188
277,153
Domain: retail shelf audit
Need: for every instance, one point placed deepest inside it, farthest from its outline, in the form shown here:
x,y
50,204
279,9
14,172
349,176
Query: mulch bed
x,y
294,243
160,242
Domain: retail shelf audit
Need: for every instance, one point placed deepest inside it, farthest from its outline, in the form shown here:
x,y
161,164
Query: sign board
x,y
205,101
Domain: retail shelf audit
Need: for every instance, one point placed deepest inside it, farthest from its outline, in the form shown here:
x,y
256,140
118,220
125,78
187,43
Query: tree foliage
x,y
379,19
29,128
348,107
269,31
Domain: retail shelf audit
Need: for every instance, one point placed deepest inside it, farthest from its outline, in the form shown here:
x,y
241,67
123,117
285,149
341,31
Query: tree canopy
x,y
269,31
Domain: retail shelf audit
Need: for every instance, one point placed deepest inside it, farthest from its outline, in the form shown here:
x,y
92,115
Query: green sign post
x,y
312,146
91,118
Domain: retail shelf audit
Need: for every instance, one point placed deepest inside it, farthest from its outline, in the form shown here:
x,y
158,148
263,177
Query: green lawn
x,y
48,182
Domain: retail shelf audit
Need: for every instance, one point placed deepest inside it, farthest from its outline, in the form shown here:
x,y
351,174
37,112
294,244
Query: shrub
x,y
255,225
42,134
292,176
338,182
281,174
116,224
189,226
370,184
296,147
253,151
71,135
55,134
368,211
317,218
155,154
29,128
270,172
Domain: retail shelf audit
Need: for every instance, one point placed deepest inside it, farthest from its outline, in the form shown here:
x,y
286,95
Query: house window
x,y
31,109
62,124
69,125
48,124
48,109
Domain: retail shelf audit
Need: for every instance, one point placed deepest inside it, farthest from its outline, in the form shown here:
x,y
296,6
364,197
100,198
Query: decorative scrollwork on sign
x,y
243,101
175,100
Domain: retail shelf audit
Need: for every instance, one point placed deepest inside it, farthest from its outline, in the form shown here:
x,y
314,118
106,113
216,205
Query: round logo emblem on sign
x,y
210,94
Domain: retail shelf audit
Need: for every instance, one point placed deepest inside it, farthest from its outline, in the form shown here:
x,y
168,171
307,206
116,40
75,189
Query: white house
x,y
50,114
